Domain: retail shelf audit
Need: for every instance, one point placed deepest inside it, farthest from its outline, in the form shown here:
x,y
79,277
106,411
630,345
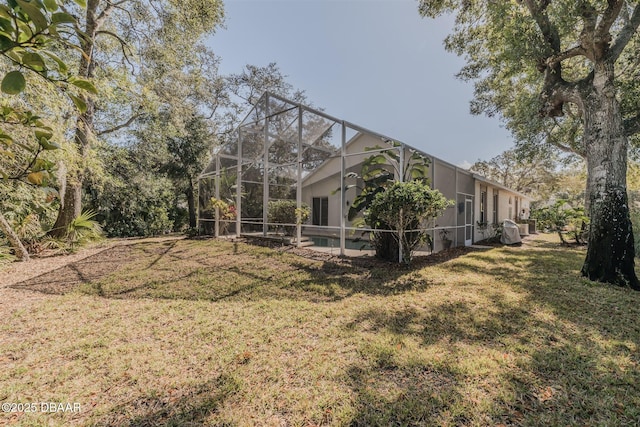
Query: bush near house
x,y
287,212
403,207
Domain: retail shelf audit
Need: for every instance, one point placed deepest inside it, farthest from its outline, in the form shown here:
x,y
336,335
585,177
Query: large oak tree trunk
x,y
610,253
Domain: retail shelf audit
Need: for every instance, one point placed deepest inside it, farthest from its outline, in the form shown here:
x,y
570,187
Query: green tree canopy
x,y
564,72
32,35
138,53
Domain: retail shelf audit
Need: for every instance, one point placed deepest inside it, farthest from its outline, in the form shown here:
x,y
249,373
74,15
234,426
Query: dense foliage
x,y
286,212
132,94
379,172
564,219
404,208
40,89
132,199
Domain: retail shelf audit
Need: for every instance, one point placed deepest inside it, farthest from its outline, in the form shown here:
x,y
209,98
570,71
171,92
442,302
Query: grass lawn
x,y
219,333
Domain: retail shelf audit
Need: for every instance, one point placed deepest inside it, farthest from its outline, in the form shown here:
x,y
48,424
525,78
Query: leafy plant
x,y
302,213
378,172
483,229
287,212
404,207
31,35
131,198
498,229
564,219
444,237
84,228
226,213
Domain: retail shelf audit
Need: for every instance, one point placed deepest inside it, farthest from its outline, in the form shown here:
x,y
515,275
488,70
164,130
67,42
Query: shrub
x,y
226,212
287,212
403,208
131,198
563,219
83,229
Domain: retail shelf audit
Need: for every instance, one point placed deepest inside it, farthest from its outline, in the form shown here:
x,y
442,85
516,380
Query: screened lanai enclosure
x,y
287,157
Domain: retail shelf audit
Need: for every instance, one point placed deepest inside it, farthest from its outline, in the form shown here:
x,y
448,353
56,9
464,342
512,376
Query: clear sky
x,y
375,63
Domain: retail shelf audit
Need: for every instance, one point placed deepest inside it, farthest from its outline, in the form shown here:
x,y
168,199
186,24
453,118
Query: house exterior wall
x,y
454,183
325,182
444,180
507,200
324,188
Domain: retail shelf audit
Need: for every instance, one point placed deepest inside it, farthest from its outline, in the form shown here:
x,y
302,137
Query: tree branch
x,y
29,166
123,45
121,126
556,91
608,18
539,14
570,53
625,35
107,11
564,147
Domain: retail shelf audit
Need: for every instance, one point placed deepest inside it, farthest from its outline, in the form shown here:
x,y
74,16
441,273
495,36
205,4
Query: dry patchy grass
x,y
222,333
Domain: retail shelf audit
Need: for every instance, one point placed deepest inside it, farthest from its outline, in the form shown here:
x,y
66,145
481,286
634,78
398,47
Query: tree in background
x,y
532,173
123,44
133,199
565,72
562,218
249,85
196,109
187,156
189,113
245,89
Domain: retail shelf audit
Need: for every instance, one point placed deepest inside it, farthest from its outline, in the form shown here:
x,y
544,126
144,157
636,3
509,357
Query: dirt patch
x,y
61,275
64,279
19,272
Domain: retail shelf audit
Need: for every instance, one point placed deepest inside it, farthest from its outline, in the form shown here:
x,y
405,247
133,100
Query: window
x,y
320,211
483,205
495,206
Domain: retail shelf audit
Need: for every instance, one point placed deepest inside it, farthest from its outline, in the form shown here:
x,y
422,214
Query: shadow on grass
x,y
403,396
190,407
565,352
65,279
218,271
